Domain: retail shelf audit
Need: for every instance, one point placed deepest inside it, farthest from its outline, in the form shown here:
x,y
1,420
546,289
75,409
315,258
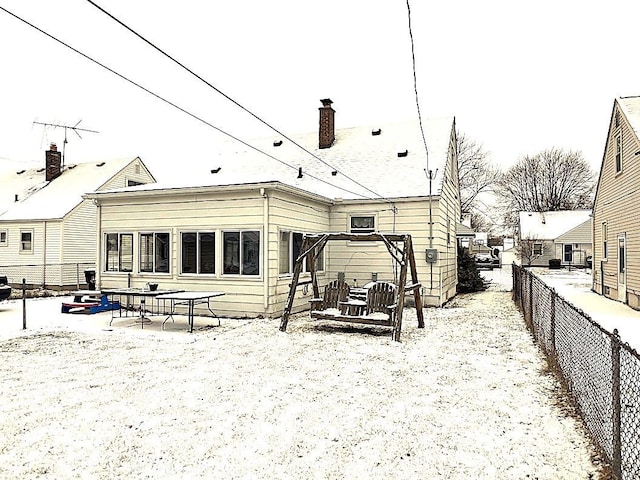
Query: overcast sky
x,y
518,76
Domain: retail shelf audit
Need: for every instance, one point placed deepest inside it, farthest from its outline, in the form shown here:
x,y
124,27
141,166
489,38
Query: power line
x,y
173,104
228,97
415,83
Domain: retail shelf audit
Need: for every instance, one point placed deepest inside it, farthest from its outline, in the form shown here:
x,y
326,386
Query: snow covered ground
x,y
466,397
575,287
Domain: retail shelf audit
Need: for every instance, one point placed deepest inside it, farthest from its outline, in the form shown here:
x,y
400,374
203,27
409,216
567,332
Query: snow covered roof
x,y
41,199
360,164
550,225
631,108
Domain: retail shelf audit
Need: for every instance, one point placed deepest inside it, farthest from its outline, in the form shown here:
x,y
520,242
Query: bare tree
x,y
527,252
552,180
476,173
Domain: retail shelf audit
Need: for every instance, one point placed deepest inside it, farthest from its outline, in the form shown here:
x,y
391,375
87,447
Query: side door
x,y
567,253
622,268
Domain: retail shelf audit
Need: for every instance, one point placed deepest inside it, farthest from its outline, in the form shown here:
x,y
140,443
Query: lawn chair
x,y
335,292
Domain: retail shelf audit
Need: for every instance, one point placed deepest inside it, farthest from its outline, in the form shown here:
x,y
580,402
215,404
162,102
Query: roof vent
x,y
300,172
71,167
101,164
403,154
277,143
40,170
334,173
20,172
216,170
377,132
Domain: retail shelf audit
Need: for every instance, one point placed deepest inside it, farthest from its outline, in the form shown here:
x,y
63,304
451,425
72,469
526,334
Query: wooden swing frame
x,y
312,246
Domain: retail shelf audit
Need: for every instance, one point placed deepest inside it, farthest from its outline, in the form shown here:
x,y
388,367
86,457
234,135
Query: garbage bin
x,y
90,277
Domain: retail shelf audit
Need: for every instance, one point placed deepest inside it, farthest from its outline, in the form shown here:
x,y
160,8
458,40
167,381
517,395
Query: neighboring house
x,y
47,230
236,223
563,235
616,229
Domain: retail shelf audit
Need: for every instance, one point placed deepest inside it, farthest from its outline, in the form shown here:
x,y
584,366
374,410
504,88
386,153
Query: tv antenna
x,y
75,128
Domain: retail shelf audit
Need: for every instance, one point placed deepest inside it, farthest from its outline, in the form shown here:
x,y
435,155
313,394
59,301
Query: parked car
x,y
485,260
5,290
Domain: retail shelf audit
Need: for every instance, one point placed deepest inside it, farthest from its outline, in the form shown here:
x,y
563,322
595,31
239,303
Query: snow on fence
x,y
601,373
50,275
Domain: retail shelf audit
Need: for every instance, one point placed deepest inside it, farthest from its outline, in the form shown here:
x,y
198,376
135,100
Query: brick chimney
x,y
53,160
327,132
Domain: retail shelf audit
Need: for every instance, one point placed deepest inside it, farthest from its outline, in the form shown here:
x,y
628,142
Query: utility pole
x,y
75,128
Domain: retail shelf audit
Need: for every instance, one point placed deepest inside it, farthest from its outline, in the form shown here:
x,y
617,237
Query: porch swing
x,y
381,304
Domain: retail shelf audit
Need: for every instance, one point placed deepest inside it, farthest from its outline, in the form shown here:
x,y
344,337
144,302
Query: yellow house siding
x,y
616,204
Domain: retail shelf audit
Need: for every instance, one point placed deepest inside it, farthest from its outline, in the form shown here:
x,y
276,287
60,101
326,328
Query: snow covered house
x,y
47,230
563,235
236,223
616,230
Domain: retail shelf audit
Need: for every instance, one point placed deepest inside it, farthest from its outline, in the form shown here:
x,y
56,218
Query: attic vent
x,y
100,164
403,154
20,172
376,132
215,170
277,143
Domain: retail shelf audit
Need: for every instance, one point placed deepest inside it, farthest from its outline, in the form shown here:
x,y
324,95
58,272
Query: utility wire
x,y
415,83
228,97
173,104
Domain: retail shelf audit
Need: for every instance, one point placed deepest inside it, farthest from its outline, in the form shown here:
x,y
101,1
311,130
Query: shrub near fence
x,y
602,374
50,275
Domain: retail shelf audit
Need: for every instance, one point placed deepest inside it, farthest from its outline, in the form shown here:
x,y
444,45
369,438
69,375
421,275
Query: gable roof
x,y
550,225
365,165
582,232
39,199
630,107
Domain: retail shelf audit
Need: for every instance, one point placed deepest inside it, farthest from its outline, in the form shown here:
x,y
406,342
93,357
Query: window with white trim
x,y
290,248
241,252
362,224
119,252
537,249
4,239
154,252
198,252
619,153
26,241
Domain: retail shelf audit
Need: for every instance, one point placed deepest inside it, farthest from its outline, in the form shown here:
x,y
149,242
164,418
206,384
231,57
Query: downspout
x,y
98,241
265,247
44,255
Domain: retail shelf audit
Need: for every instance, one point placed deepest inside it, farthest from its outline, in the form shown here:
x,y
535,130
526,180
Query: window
x,y
198,252
604,240
537,249
362,224
119,252
3,238
154,252
26,241
618,153
241,252
290,249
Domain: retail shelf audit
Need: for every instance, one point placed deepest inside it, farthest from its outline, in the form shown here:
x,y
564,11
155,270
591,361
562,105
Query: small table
x,y
353,307
191,299
132,292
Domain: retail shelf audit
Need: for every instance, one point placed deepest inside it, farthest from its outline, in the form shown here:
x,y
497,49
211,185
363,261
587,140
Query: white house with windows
x,y
47,230
235,224
563,235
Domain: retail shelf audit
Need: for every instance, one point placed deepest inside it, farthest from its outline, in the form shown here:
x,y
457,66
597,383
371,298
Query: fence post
x,y
552,326
615,374
24,304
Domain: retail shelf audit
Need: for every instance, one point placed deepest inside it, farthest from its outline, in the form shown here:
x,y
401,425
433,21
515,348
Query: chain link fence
x,y
601,373
54,276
